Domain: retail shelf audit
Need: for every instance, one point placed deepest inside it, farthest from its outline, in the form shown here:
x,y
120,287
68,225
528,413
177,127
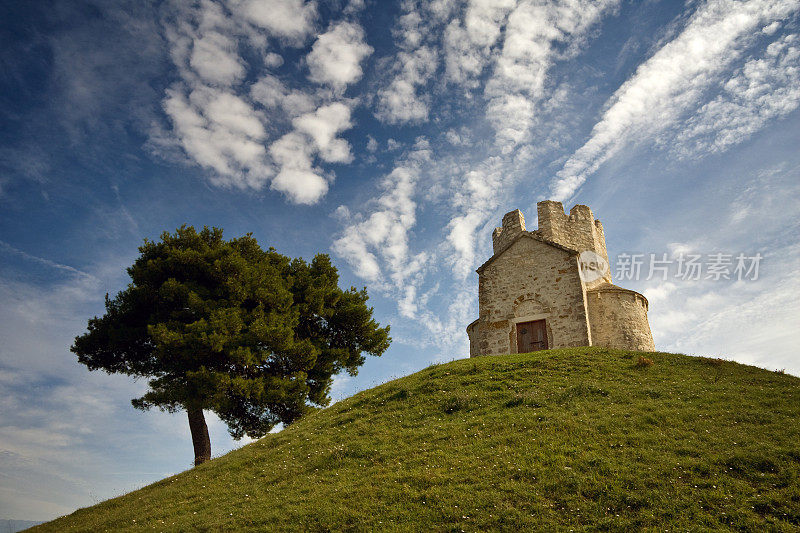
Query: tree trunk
x,y
200,440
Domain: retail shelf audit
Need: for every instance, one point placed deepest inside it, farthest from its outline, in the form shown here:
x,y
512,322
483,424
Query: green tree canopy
x,y
222,325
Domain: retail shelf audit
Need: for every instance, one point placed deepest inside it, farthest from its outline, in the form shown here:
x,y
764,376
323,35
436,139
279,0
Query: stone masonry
x,y
533,282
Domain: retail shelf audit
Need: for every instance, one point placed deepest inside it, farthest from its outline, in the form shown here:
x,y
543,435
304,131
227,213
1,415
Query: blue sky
x,y
393,136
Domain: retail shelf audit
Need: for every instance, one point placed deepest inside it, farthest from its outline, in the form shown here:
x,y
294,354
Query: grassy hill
x,y
573,439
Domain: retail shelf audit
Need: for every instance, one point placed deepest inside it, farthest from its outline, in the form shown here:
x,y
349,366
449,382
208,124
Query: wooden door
x,y
531,336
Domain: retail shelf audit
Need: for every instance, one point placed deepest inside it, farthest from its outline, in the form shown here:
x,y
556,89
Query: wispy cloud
x,y
765,88
672,82
468,42
377,245
4,246
404,101
520,73
404,96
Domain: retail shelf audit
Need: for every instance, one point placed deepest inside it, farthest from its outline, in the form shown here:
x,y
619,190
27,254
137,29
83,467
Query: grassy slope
x,y
560,439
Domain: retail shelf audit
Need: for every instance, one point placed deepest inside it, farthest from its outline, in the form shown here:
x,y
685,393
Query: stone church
x,y
552,288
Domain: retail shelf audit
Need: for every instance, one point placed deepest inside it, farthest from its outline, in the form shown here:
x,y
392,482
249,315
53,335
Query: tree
x,y
252,335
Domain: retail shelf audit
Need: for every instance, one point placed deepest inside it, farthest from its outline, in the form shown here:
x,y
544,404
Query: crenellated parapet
x,y
513,225
579,230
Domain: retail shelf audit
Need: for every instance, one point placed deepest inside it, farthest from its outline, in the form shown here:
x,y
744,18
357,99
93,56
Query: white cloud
x,y
237,116
352,246
402,101
670,82
410,28
273,60
484,19
268,91
297,102
453,137
372,144
461,237
292,20
378,245
323,126
215,58
297,178
405,97
314,135
476,197
271,92
342,213
335,59
218,131
513,116
771,28
215,126
660,292
204,43
301,185
406,305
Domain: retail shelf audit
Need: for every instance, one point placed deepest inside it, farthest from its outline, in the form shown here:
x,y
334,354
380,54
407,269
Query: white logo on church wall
x,y
592,266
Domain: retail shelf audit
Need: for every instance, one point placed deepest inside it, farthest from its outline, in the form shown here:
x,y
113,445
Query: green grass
x,y
572,439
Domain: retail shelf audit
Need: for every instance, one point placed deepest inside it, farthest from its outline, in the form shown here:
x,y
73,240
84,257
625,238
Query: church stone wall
x,y
531,280
618,319
475,334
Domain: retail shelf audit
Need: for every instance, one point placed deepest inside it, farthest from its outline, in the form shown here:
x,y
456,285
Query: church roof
x,y
532,235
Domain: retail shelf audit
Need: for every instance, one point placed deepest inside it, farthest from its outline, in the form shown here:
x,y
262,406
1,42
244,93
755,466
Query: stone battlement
x,y
513,225
579,230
